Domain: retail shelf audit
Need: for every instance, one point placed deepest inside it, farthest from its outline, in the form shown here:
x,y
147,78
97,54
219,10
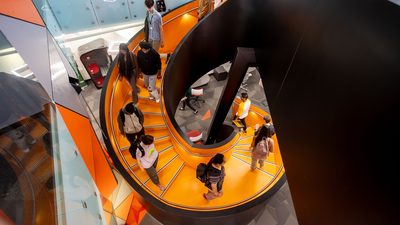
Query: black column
x,y
244,58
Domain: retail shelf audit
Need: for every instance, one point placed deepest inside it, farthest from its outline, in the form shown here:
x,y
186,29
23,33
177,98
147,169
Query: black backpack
x,y
133,148
201,172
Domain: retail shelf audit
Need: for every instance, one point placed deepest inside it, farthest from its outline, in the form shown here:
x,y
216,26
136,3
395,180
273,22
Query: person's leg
x,y
244,124
152,87
210,195
156,45
131,138
253,163
183,105
190,105
261,162
152,82
146,80
135,97
151,171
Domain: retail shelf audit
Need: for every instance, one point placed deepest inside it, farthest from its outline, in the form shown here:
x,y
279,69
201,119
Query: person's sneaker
x,y
157,100
181,109
26,150
152,98
195,112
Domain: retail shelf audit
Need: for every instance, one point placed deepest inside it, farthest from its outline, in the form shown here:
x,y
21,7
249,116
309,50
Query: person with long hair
x,y
215,177
262,145
128,68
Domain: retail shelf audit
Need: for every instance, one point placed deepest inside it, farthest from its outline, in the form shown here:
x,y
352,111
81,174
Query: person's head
x,y
149,5
218,159
129,108
123,48
147,139
244,96
145,46
267,119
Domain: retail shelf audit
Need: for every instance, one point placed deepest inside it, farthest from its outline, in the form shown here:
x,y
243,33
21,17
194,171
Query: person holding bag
x,y
261,146
215,175
130,123
147,160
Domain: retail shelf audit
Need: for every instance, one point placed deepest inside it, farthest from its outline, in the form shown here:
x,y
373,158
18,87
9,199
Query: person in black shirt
x,y
150,66
215,177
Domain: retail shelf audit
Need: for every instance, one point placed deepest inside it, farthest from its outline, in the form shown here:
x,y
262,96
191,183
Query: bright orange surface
x,y
79,127
123,209
21,9
178,160
90,149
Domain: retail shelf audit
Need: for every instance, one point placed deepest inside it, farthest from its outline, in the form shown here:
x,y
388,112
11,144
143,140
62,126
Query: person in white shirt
x,y
243,110
147,158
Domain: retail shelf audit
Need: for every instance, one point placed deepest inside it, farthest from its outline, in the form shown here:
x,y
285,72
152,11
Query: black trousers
x,y
187,102
134,138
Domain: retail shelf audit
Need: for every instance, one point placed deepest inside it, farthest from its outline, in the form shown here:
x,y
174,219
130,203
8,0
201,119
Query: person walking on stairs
x,y
262,145
128,69
215,177
149,62
153,26
130,122
148,158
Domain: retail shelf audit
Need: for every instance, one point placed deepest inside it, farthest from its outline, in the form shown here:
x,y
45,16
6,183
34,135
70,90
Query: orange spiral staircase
x,y
178,158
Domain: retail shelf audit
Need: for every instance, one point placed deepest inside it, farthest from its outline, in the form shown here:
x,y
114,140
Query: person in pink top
x,y
147,159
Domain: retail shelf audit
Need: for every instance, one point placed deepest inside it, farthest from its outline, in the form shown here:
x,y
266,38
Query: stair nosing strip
x,y
246,137
172,180
265,172
271,163
241,145
155,126
242,149
163,167
152,113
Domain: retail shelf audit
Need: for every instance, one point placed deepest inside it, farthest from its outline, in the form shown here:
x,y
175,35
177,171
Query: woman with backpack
x,y
147,159
215,177
261,146
130,122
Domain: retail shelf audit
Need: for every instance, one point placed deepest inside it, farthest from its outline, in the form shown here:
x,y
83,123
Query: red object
x,y
94,72
194,135
93,68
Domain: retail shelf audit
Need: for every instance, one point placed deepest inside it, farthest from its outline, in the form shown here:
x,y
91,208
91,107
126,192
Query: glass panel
x,y
39,162
138,10
26,165
48,17
112,12
78,200
74,15
171,5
